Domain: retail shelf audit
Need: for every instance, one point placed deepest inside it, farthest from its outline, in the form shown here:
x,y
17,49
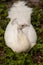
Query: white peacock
x,y
20,35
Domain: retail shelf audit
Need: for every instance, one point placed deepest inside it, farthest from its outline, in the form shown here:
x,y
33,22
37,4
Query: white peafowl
x,y
20,35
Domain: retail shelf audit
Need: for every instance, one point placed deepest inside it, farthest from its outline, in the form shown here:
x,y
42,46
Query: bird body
x,y
17,37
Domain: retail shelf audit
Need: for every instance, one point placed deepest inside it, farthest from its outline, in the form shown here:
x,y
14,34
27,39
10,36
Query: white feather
x,y
31,34
16,39
20,40
21,12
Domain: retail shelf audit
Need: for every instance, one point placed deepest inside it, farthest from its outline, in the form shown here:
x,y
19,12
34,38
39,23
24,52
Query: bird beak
x,y
22,26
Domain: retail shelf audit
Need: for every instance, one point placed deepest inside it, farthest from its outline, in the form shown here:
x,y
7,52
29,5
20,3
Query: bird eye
x,y
22,25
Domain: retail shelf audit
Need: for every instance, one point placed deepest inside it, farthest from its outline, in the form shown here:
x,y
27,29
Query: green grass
x,y
35,55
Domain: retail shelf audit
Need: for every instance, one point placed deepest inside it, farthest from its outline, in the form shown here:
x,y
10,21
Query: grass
x,y
35,55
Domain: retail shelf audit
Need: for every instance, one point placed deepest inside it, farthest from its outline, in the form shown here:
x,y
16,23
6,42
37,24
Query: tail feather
x,y
21,12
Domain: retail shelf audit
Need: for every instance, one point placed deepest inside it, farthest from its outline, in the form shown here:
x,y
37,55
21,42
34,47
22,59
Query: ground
x,y
35,55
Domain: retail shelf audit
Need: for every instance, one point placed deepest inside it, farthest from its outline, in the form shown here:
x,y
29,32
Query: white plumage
x,y
20,12
20,39
31,34
16,39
